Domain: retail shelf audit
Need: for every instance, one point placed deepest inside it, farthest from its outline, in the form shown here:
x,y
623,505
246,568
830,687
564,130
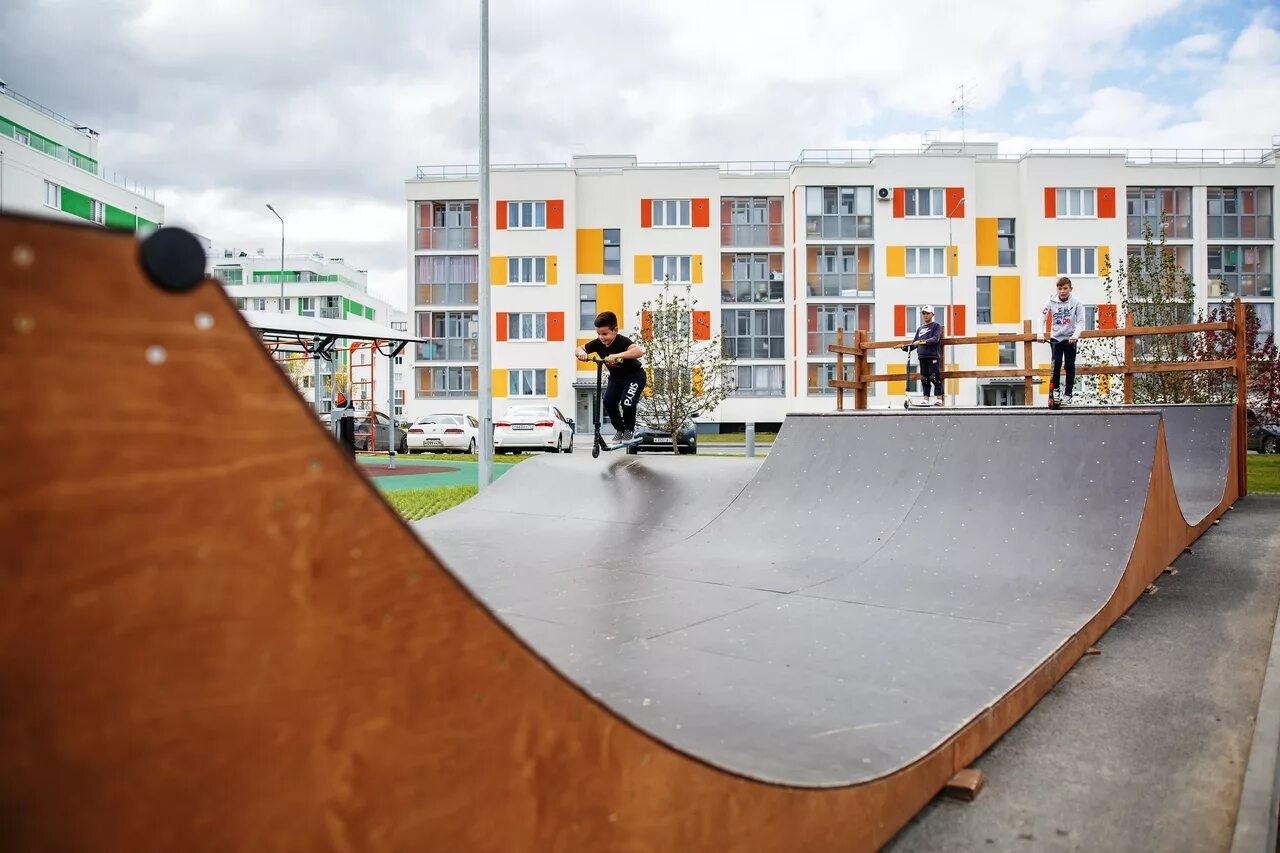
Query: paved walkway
x,y
1144,746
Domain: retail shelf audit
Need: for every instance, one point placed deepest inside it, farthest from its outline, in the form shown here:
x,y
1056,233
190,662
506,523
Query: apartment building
x,y
326,288
779,256
49,167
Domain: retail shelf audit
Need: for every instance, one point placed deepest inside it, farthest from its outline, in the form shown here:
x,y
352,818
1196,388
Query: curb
x,y
1258,816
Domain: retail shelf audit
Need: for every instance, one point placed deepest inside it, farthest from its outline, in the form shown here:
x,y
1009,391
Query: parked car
x,y
1262,437
533,427
446,431
363,430
654,438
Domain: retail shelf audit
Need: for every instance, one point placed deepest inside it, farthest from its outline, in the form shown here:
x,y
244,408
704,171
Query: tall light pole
x,y
484,327
951,299
281,218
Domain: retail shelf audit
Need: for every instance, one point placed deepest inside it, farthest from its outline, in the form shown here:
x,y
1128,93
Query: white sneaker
x,y
1066,401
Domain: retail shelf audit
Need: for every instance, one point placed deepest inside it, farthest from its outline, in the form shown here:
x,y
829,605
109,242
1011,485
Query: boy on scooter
x,y
626,376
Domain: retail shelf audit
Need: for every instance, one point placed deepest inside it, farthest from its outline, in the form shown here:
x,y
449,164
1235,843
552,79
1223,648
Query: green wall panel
x,y
117,218
76,204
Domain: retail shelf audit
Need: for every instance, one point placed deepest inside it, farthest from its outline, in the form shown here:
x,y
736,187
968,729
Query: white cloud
x,y
1200,44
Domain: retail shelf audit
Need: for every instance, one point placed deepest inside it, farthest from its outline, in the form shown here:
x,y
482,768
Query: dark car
x,y
653,438
1264,438
362,429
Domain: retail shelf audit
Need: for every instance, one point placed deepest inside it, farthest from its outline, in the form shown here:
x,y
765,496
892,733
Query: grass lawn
x,y
414,504
736,438
1264,474
450,457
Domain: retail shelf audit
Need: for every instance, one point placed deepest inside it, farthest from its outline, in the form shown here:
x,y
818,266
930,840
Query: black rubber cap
x,y
173,259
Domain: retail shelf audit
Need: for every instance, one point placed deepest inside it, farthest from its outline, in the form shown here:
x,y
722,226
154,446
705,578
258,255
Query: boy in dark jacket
x,y
626,375
928,346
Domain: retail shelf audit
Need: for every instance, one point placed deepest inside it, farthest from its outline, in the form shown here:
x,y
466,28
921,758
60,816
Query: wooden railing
x,y
863,379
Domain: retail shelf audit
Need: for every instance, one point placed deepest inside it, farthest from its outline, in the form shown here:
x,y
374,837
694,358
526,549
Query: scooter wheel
x,y
595,452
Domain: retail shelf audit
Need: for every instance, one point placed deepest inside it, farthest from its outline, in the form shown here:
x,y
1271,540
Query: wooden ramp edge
x,y
215,635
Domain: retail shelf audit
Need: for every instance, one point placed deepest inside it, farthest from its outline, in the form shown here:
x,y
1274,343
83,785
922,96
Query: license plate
x,y
661,440
522,426
431,441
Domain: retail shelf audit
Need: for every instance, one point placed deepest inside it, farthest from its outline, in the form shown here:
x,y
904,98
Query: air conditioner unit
x,y
884,194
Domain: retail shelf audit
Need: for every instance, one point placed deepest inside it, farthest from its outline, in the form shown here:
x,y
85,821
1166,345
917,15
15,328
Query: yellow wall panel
x,y
897,387
1043,387
590,251
1048,260
497,270
988,354
609,298
987,242
499,382
644,269
952,385
697,381
585,366
1006,299
553,269
953,260
553,382
895,262
697,269
1104,261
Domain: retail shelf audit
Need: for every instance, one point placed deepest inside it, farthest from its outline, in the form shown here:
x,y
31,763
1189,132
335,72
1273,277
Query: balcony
x,y
449,349
750,236
447,294
447,237
848,285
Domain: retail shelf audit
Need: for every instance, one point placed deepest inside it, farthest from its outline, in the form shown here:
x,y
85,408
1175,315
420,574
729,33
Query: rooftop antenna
x,y
960,104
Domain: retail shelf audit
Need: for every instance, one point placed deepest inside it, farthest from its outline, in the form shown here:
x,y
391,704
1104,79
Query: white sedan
x,y
444,432
533,427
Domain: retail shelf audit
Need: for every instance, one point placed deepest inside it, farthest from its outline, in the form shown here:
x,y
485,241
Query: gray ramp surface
x,y
1199,441
881,580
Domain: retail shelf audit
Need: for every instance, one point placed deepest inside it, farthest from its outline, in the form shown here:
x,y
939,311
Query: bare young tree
x,y
689,373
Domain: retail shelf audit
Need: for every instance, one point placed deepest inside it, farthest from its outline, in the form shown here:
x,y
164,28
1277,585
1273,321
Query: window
x,y
1145,206
1265,312
306,306
671,213
447,280
331,307
1243,270
260,305
926,260
52,195
753,332
526,383
1090,318
229,275
924,202
526,214
612,251
914,320
1008,256
587,306
825,320
840,271
982,312
526,327
678,268
819,377
758,380
1174,314
751,221
1077,260
1239,212
1008,353
97,211
526,270
452,335
1181,255
446,381
751,278
1075,203
838,212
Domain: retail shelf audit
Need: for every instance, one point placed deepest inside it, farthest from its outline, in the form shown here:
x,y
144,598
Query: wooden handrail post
x,y
860,371
840,370
1028,385
1128,361
1242,396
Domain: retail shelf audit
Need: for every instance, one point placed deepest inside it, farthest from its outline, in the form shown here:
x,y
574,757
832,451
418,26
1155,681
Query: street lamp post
x,y
484,391
951,298
281,218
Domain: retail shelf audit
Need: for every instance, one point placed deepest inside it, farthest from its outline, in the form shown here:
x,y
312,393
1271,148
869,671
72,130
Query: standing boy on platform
x,y
928,346
1063,323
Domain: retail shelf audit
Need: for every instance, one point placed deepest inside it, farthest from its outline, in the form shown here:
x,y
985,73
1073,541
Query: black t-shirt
x,y
625,367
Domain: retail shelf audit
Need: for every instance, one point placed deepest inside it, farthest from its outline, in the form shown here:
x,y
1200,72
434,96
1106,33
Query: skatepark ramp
x,y
200,651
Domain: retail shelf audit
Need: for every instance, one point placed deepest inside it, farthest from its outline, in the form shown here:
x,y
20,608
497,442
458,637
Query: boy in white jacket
x,y
1063,323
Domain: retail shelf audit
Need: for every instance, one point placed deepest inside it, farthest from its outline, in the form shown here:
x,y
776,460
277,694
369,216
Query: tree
x,y
1153,287
689,372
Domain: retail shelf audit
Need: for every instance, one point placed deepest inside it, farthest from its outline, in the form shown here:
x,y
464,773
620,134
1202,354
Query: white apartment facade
x,y
327,288
49,167
780,255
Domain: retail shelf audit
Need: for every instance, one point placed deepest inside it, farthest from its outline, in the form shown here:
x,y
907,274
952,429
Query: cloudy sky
x,y
324,108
